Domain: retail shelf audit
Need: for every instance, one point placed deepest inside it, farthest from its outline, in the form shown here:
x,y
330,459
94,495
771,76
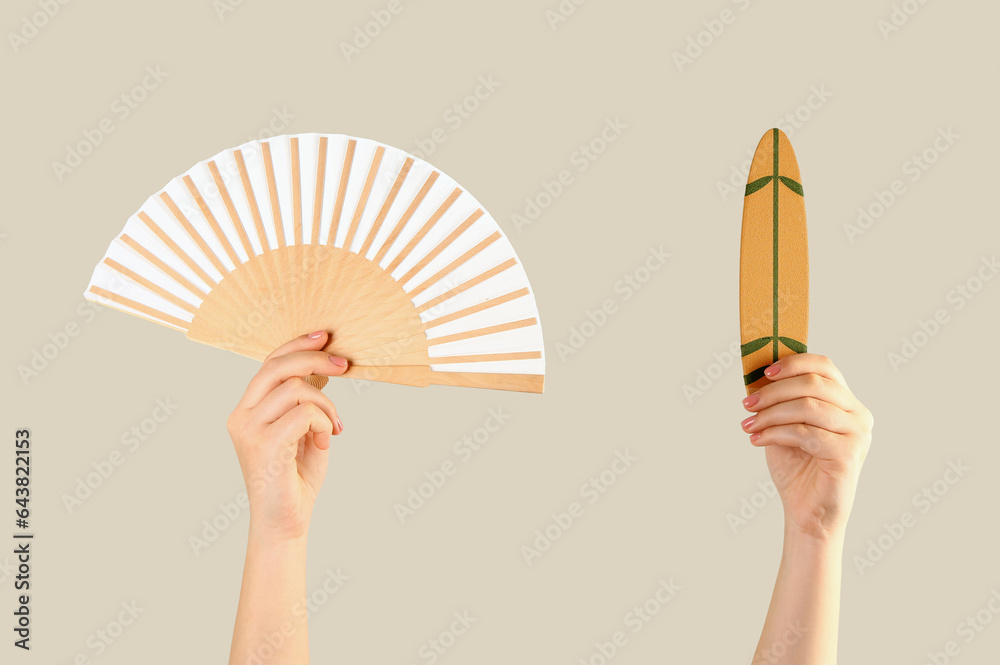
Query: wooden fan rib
x,y
237,222
202,244
380,340
440,274
175,248
151,286
475,309
486,357
272,194
159,317
479,332
265,260
401,223
424,230
422,376
296,192
525,383
359,209
407,375
384,356
338,209
465,286
320,187
234,216
444,244
133,244
258,222
386,206
193,233
213,223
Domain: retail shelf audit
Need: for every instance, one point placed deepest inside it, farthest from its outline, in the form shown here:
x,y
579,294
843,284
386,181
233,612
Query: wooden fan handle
x,y
317,380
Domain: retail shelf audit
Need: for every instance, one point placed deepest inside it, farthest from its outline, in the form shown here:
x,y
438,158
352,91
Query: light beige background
x,y
656,185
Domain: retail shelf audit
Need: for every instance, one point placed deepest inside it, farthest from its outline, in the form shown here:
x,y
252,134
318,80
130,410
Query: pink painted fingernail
x,y
773,369
317,334
340,425
751,400
338,361
748,422
754,436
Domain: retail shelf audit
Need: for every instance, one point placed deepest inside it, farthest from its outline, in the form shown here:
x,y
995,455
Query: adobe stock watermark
x,y
32,24
364,377
213,527
580,160
625,289
751,505
457,115
775,651
365,34
712,29
721,363
557,15
590,493
279,121
913,169
298,618
789,123
41,357
130,441
231,511
122,106
434,648
967,630
277,124
102,639
223,8
924,501
900,15
958,298
462,451
706,377
635,620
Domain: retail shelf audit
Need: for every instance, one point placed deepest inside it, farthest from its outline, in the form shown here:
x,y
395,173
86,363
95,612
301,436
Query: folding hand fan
x,y
774,261
273,239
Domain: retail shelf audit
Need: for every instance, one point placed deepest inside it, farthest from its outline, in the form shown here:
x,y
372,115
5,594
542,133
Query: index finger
x,y
299,357
797,364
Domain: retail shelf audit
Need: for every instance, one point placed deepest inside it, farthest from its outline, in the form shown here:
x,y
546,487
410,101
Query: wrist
x,y
269,536
813,539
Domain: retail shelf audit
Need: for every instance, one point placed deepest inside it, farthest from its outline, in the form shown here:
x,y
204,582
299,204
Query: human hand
x,y
281,431
816,436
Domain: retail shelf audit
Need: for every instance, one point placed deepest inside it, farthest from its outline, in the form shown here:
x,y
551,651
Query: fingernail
x,y
338,361
317,334
754,436
748,402
340,425
748,422
773,369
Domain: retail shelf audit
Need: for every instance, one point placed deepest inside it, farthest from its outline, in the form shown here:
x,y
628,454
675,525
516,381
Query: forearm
x,y
802,620
270,624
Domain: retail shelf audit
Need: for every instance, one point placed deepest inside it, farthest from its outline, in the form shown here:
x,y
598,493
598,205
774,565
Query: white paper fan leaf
x,y
413,279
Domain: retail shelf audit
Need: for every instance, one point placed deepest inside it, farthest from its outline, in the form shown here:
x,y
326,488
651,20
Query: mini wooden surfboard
x,y
774,261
